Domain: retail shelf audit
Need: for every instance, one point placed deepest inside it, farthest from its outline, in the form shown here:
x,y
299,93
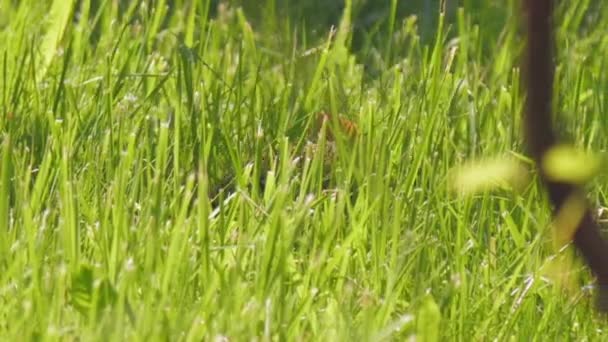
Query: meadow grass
x,y
134,138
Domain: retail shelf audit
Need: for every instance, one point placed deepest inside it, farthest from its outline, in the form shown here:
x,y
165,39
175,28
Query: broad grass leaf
x,y
565,163
483,175
59,17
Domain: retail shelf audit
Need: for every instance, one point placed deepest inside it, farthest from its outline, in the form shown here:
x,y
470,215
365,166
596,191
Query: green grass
x,y
133,140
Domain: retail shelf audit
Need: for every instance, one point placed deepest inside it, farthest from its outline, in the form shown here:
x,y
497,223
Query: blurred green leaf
x,y
482,175
90,295
565,163
568,218
429,317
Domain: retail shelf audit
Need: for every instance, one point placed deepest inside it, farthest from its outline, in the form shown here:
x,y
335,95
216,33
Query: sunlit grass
x,y
164,174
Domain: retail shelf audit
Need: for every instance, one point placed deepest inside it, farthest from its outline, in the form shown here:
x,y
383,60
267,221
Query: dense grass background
x,y
134,137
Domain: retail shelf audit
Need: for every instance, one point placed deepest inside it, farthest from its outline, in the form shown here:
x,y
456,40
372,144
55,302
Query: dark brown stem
x,y
540,136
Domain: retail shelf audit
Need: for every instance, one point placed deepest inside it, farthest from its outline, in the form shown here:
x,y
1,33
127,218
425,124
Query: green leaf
x,y
82,290
483,175
565,163
61,12
568,218
89,295
429,317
